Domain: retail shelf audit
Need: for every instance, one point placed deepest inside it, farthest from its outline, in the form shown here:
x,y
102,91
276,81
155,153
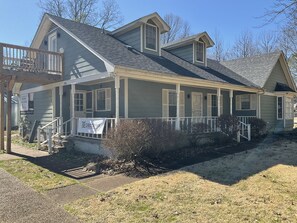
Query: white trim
x,y
201,102
117,98
155,50
231,101
219,101
65,83
259,105
54,103
172,79
126,95
193,52
282,108
61,101
240,105
96,99
177,123
141,38
159,42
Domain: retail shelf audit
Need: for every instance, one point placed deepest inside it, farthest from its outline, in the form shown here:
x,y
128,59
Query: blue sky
x,y
19,19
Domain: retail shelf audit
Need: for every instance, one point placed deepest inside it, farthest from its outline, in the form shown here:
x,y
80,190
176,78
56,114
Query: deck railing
x,y
26,59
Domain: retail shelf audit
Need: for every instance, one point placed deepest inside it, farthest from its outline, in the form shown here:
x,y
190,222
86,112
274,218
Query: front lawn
x,y
258,185
35,176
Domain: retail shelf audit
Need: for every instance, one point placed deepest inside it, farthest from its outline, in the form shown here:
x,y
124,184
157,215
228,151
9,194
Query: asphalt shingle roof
x,y
119,54
256,69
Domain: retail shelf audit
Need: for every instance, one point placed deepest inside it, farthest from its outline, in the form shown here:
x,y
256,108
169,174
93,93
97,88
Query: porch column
x,y
284,111
177,123
61,108
126,97
117,98
8,116
259,106
219,101
231,101
2,115
72,109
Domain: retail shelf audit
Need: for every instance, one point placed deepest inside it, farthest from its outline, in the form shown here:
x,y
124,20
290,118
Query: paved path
x,y
20,203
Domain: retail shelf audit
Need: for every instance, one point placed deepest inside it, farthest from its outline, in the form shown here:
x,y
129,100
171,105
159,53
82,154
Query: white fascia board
x,y
173,79
109,66
67,82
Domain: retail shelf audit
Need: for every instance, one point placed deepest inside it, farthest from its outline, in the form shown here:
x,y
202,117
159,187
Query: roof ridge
x,y
277,52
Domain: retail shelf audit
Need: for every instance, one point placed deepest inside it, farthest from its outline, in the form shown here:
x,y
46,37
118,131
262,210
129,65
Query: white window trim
x,y
155,50
96,101
209,106
196,46
84,99
244,109
282,107
167,104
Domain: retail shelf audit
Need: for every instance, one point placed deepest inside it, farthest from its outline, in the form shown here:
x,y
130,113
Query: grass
x,y
254,186
35,176
16,139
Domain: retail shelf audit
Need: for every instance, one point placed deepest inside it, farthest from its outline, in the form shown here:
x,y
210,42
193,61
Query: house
x,y
126,74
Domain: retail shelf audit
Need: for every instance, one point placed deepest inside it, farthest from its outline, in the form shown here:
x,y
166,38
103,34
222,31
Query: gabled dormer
x,y
192,49
143,34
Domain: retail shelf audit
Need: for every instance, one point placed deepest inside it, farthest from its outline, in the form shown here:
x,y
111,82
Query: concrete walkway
x,y
20,203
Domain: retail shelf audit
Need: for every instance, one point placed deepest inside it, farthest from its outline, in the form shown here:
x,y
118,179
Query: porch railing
x,y
26,59
244,131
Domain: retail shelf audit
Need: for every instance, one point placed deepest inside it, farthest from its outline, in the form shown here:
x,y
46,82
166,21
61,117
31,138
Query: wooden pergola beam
x,y
2,115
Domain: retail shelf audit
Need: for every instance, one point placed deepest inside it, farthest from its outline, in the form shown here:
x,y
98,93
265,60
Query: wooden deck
x,y
28,65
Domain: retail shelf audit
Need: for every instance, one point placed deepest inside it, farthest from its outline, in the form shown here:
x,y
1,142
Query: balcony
x,y
28,65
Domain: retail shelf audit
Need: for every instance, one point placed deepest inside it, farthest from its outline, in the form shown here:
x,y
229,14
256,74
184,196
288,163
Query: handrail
x,y
244,128
50,123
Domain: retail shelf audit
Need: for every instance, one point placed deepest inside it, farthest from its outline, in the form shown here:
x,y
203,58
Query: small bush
x,y
197,135
138,140
229,125
258,127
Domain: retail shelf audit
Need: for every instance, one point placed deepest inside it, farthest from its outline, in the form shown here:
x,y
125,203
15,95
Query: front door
x,y
80,104
89,104
197,108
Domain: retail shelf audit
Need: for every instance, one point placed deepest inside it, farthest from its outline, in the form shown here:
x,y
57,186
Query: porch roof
x,y
117,53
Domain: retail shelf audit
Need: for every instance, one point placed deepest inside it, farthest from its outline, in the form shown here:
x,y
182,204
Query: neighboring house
x,y
127,74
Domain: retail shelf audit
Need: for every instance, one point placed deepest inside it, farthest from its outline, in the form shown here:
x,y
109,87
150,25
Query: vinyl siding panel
x,y
185,52
268,112
131,38
78,61
277,75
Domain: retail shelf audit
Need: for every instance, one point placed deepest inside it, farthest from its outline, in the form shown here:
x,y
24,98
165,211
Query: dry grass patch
x,y
35,176
254,186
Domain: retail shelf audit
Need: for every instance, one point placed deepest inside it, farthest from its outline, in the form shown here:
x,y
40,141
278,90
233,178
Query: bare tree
x,y
85,11
218,52
244,46
267,42
179,28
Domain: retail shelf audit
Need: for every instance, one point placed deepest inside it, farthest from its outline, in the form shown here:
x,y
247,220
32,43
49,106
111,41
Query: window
x,y
169,102
31,102
200,51
246,102
79,102
212,105
150,37
103,99
289,113
279,107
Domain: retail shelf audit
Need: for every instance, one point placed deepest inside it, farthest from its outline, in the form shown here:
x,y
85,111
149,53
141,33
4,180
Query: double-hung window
x,y
200,52
246,102
150,37
169,102
103,99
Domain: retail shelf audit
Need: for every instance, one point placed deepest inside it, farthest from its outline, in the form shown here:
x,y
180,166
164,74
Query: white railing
x,y
244,131
245,119
49,131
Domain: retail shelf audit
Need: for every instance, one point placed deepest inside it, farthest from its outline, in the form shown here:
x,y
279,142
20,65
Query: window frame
x,y
145,35
106,101
165,93
277,110
240,103
203,52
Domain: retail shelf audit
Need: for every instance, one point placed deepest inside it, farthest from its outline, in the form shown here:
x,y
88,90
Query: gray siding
x,y
78,61
268,111
185,52
43,108
131,38
277,75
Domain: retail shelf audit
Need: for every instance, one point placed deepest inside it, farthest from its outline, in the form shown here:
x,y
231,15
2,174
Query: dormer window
x,y
151,37
200,51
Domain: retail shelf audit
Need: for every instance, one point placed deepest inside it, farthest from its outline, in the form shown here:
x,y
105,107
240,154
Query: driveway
x,y
19,203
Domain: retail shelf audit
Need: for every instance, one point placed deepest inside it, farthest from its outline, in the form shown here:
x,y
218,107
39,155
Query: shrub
x,y
228,125
197,135
258,127
137,140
